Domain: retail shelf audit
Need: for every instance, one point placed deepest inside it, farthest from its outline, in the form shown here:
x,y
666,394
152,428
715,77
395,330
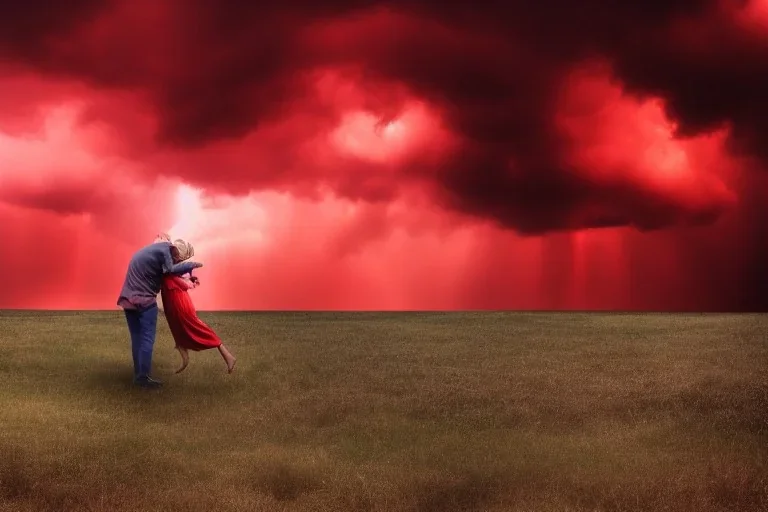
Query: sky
x,y
401,155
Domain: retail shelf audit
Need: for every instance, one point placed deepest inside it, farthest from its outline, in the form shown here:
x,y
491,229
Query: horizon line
x,y
622,311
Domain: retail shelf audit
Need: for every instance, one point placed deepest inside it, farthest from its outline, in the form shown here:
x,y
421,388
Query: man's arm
x,y
179,268
184,267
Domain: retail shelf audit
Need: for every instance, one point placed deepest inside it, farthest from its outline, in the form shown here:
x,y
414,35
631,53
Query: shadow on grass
x,y
446,494
722,487
15,483
23,482
195,399
110,380
285,482
119,380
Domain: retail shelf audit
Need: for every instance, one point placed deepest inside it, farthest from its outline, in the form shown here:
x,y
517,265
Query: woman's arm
x,y
188,283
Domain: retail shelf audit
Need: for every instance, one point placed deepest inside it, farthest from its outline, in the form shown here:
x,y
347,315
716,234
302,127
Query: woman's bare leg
x,y
228,358
184,358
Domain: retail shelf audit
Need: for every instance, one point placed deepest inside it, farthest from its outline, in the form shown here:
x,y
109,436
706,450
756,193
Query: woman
x,y
189,332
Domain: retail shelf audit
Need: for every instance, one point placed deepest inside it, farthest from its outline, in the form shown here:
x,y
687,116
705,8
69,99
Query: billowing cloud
x,y
393,154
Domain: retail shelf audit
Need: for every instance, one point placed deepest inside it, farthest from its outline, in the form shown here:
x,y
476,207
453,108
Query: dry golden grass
x,y
412,411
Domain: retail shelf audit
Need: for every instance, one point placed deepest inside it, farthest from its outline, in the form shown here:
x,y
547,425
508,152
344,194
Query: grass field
x,y
379,411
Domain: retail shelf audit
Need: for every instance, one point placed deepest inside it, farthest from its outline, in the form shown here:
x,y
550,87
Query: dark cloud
x,y
494,70
26,27
706,69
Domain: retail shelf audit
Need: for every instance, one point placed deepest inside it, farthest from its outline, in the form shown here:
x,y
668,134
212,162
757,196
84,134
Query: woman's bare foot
x,y
184,359
228,358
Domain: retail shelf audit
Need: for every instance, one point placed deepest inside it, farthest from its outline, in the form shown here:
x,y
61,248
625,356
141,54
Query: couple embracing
x,y
162,267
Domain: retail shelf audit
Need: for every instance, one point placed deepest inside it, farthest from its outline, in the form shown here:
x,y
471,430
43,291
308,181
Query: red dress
x,y
188,330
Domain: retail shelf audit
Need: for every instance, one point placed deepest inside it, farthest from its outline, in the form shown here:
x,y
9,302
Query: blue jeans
x,y
142,324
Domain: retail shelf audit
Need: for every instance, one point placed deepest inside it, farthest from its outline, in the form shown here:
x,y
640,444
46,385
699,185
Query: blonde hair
x,y
184,248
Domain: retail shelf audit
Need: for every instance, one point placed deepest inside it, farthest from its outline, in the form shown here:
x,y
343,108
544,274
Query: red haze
x,y
403,155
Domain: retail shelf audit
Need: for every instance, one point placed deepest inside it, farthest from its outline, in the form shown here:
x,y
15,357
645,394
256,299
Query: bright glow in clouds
x,y
57,169
32,166
754,15
215,223
369,137
619,140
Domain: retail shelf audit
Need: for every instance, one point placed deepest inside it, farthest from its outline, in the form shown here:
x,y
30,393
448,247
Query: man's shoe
x,y
149,382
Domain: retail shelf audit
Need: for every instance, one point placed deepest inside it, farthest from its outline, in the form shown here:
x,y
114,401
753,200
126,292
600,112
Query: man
x,y
138,298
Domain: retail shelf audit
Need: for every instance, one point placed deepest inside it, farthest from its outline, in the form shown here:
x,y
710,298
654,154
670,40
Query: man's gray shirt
x,y
145,275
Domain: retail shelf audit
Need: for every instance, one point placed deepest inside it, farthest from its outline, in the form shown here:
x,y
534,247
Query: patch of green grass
x,y
390,411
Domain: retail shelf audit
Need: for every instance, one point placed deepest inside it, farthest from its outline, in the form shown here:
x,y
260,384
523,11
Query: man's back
x,y
144,276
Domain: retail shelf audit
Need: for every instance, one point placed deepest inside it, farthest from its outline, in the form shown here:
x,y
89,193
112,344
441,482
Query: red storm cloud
x,y
389,155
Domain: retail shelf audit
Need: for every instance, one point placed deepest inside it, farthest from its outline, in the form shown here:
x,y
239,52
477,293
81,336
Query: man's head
x,y
181,250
